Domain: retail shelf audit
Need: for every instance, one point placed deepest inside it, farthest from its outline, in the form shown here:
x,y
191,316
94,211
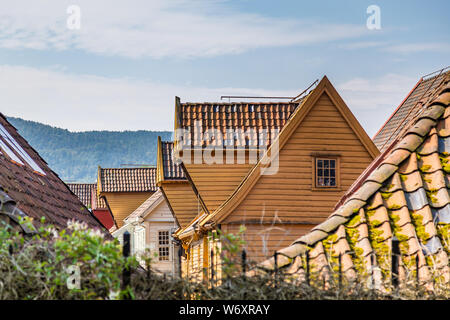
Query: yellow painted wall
x,y
122,204
282,207
183,201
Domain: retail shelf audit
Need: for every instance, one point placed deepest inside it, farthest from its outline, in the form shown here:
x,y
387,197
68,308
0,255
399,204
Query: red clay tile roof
x,y
239,115
83,191
127,179
406,194
407,110
171,169
97,201
39,195
87,193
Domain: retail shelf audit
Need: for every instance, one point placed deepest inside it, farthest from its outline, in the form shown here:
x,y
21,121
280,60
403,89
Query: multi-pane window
x,y
326,172
163,249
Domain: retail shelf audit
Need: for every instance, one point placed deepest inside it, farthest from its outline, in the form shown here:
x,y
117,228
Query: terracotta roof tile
x,y
234,116
127,179
39,195
412,202
87,193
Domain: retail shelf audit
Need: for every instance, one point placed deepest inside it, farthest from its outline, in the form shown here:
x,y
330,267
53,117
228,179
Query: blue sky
x,y
123,67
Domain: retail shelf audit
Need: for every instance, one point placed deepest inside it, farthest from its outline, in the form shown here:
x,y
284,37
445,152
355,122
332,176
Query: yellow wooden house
x,y
125,189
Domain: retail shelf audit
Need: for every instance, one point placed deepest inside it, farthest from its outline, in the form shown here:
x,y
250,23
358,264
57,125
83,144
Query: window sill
x,y
327,189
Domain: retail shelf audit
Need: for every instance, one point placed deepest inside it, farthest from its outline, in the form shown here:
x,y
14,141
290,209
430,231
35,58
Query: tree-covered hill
x,y
74,156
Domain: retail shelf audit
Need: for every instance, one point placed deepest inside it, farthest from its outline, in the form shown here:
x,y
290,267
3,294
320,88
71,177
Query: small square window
x,y
326,173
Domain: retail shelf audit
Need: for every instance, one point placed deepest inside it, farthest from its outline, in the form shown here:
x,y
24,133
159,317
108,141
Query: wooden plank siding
x,y
182,200
278,209
122,204
288,199
161,219
263,239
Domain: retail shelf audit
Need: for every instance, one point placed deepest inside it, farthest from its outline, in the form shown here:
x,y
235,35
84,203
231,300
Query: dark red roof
x,y
171,169
127,179
37,191
87,193
83,191
407,110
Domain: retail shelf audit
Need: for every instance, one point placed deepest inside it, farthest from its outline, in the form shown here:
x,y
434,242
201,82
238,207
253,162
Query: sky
x,y
118,65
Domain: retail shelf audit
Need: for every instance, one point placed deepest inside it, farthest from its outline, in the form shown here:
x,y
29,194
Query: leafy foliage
x,y
36,268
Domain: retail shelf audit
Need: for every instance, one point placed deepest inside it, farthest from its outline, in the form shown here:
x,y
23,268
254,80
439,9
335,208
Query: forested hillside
x,y
74,156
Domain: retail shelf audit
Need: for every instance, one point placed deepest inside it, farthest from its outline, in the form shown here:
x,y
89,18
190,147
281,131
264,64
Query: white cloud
x,y
85,102
157,28
373,100
419,47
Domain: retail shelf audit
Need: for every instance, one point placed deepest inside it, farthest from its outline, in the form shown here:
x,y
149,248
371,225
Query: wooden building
x,y
87,193
151,227
315,150
125,189
30,188
403,194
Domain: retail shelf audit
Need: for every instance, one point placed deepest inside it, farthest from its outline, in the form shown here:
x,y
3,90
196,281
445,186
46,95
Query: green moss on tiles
x,y
380,247
328,245
417,221
432,195
354,221
425,168
386,195
443,231
424,178
443,159
403,177
352,235
370,213
395,207
389,187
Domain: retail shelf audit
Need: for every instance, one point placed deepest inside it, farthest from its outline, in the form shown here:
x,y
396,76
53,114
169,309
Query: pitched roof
x,y
299,114
87,193
97,201
153,201
257,116
171,169
127,179
407,110
36,190
404,193
83,191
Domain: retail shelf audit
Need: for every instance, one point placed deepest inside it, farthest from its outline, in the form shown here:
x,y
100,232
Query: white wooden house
x,y
151,226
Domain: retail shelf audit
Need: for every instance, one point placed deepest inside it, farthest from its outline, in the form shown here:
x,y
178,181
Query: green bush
x,y
37,267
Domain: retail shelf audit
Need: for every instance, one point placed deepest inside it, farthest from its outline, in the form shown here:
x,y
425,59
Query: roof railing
x,y
293,99
440,71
